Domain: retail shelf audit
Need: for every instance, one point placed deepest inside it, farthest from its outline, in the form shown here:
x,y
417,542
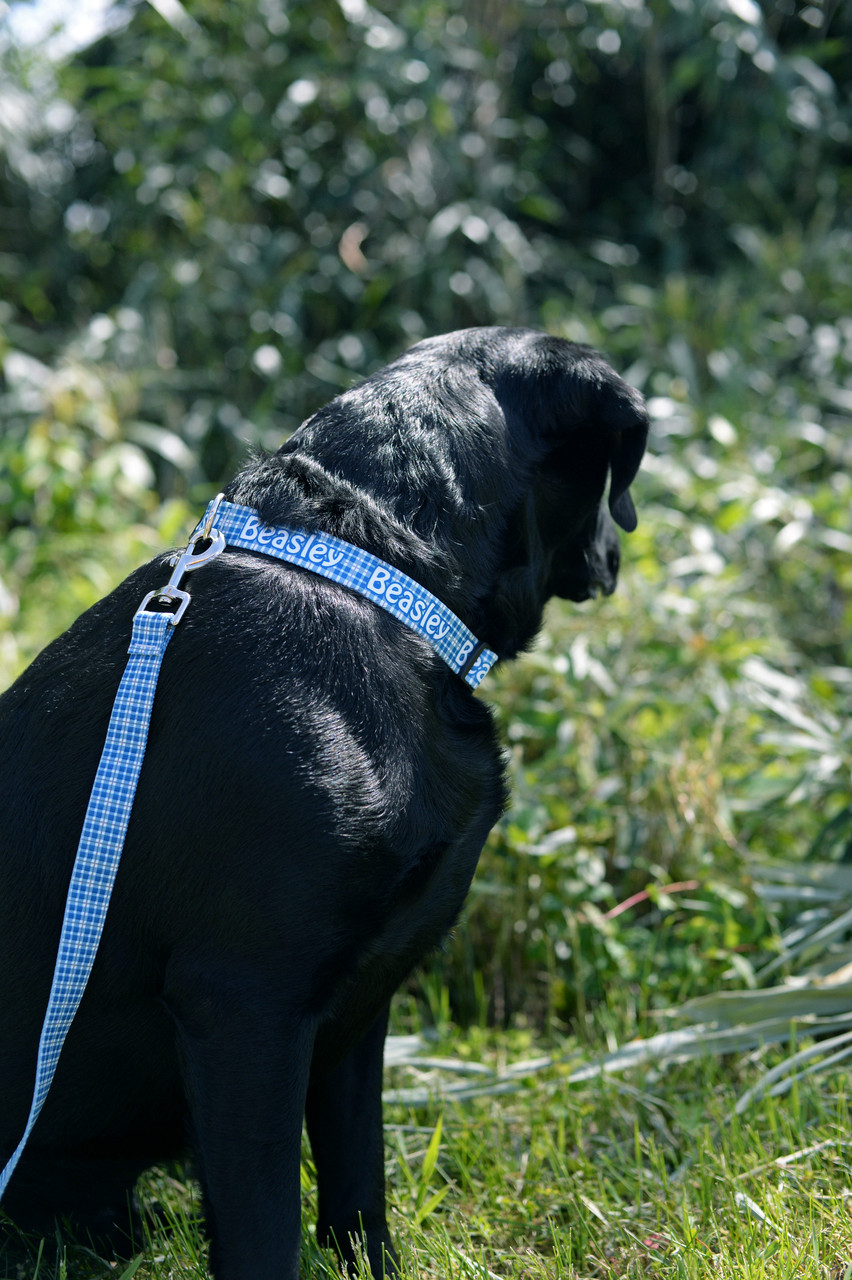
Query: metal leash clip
x,y
184,562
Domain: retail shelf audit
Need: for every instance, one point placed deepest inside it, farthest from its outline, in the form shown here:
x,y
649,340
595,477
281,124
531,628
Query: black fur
x,y
317,789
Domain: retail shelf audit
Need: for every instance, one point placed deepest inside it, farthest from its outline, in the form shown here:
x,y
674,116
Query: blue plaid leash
x,y
111,801
105,825
98,852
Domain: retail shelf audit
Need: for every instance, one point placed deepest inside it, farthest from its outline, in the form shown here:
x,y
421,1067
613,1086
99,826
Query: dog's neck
x,y
459,565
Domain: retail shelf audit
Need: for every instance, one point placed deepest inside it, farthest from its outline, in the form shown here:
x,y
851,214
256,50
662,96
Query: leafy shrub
x,y
214,226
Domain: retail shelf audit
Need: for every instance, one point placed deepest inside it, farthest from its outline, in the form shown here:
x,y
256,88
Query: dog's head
x,y
479,463
562,428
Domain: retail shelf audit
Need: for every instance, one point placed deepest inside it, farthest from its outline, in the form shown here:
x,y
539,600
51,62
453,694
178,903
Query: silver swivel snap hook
x,y
185,561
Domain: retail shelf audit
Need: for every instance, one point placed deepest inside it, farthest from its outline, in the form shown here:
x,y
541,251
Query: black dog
x,y
316,791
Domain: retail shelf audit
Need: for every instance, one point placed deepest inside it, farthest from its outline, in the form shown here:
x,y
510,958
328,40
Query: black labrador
x,y
317,788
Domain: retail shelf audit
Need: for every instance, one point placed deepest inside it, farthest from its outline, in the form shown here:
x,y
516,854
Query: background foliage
x,y
217,216
214,220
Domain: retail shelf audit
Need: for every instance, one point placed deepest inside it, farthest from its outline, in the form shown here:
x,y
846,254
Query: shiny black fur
x,y
317,789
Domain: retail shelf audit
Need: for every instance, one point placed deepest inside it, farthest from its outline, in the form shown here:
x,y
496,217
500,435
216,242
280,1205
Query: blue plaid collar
x,y
362,572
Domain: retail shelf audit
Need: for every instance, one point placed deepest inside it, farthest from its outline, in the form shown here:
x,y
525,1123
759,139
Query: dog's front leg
x,y
245,1066
344,1117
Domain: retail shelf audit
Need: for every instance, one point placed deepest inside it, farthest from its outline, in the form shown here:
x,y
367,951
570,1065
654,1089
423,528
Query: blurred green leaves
x,y
217,216
285,194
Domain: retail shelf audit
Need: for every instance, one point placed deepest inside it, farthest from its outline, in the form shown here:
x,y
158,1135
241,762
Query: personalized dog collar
x,y
362,572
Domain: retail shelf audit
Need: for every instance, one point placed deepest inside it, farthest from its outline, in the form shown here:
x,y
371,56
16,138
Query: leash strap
x,y
111,801
365,573
99,851
105,824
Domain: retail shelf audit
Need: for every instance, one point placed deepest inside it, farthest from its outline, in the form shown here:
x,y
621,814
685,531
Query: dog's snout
x,y
603,556
590,567
612,560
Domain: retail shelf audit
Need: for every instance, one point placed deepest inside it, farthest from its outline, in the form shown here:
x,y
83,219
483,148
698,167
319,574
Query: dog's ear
x,y
568,392
623,415
625,456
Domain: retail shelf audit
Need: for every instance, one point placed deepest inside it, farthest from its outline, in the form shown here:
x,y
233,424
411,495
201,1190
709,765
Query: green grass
x,y
628,1177
646,1175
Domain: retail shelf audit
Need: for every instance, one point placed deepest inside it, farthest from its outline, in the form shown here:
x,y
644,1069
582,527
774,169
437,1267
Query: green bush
x,y
211,227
